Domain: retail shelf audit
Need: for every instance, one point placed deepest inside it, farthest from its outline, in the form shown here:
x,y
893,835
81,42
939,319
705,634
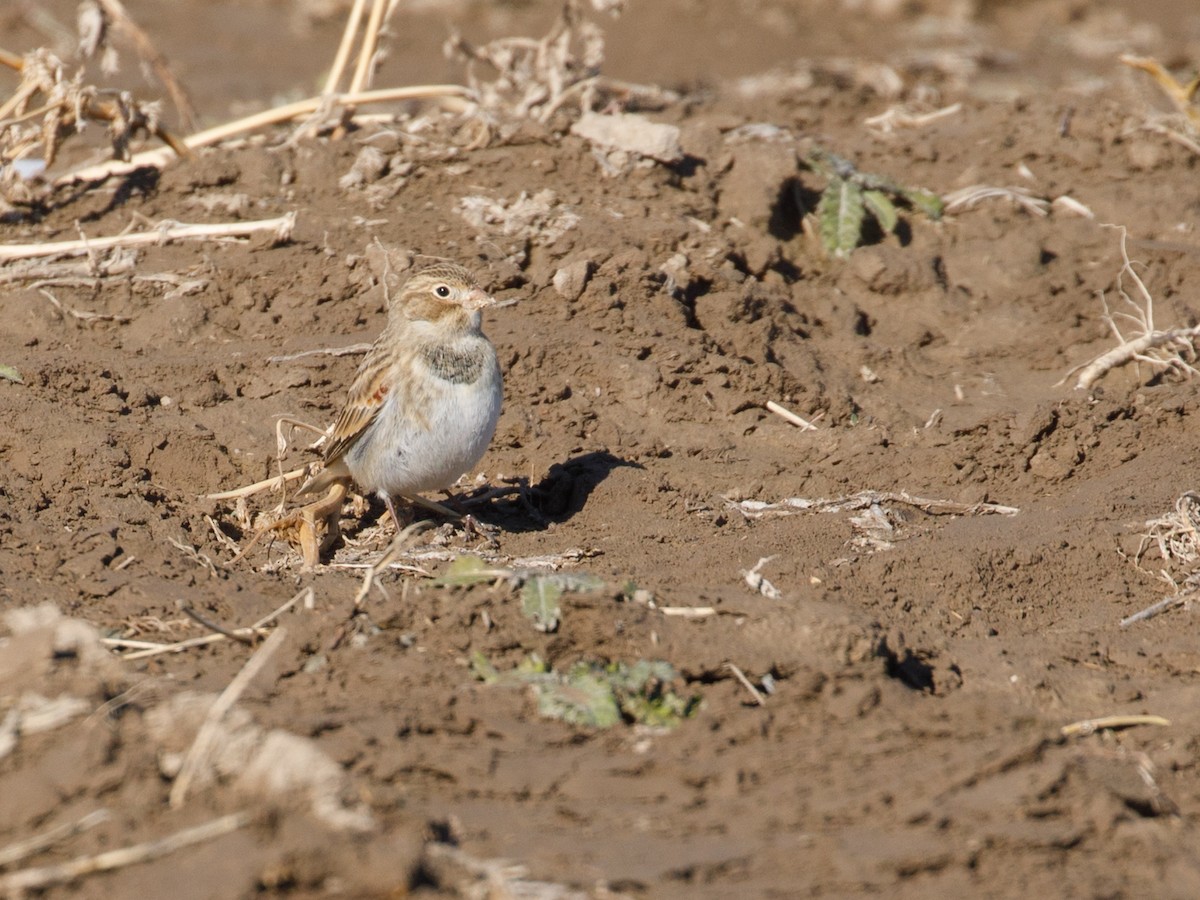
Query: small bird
x,y
423,405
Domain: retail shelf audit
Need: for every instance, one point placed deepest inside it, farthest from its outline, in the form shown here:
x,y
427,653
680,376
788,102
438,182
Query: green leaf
x,y
582,698
483,669
539,602
882,209
467,569
840,217
11,374
926,201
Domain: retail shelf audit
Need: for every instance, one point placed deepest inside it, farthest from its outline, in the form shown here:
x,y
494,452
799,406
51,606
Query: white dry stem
x,y
788,415
757,509
968,197
899,117
758,582
18,883
164,232
20,850
448,93
1164,351
202,746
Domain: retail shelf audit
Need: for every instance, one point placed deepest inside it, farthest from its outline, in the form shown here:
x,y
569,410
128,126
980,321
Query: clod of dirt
x,y
632,134
270,765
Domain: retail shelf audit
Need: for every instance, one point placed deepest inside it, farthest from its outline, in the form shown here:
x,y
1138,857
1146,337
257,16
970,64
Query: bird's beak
x,y
478,299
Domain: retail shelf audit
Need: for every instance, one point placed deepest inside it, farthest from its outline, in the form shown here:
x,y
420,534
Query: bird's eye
x,y
442,291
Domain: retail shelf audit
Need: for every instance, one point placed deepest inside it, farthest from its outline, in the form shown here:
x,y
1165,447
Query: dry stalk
x,y
18,883
747,684
162,233
146,649
48,107
1176,537
448,93
789,416
534,78
397,546
198,753
20,850
757,509
1172,350
1182,95
1091,726
349,350
112,13
968,197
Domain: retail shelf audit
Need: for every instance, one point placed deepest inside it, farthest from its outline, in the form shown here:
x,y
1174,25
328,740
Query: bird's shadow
x,y
563,492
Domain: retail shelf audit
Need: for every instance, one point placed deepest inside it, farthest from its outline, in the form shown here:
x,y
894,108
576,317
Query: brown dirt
x,y
911,744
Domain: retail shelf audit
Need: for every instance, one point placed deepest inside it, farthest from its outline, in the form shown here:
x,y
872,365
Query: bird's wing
x,y
367,394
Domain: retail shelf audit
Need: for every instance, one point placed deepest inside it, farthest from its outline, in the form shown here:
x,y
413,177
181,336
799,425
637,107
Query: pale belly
x,y
402,455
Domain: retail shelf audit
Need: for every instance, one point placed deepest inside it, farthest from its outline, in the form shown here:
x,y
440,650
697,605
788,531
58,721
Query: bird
x,y
423,406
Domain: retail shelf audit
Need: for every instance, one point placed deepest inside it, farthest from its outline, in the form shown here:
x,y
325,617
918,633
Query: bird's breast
x,y
458,363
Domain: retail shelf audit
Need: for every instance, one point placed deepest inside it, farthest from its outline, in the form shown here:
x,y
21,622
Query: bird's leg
x,y
391,508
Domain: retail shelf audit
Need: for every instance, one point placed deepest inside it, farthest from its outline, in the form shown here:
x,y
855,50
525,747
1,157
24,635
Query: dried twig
x,y
397,546
350,350
1171,350
164,232
198,753
160,157
899,117
966,198
790,416
757,509
747,684
1182,95
146,649
17,883
145,48
1090,726
20,850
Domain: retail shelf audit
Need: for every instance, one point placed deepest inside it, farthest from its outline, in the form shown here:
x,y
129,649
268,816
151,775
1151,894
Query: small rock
x,y
370,166
571,279
631,133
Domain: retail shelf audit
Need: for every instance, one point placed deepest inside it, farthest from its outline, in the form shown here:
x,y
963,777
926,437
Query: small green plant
x,y
850,194
597,695
540,591
8,373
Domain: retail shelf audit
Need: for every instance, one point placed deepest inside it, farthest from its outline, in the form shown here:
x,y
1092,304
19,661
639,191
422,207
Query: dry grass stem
x,y
1176,538
19,850
790,416
535,78
160,157
757,509
1172,350
1154,609
688,612
145,649
268,484
899,117
217,627
18,883
164,232
747,684
88,272
124,23
344,47
968,197
399,543
350,350
1182,95
198,753
1090,726
79,314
